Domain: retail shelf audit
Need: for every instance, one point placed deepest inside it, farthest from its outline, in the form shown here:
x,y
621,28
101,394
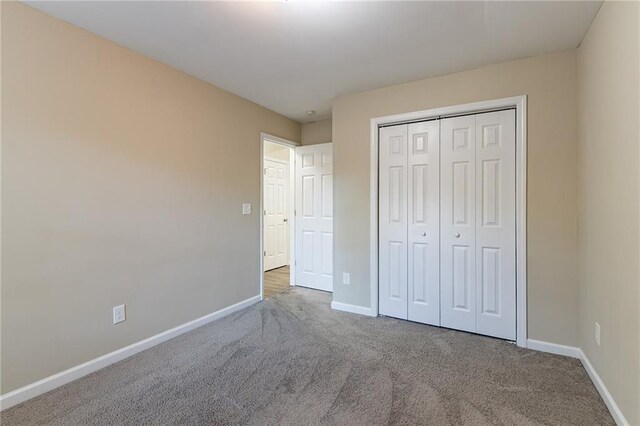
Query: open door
x,y
276,213
314,216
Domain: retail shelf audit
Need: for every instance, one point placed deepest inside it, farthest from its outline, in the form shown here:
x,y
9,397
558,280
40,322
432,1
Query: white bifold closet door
x,y
314,216
478,275
409,216
447,223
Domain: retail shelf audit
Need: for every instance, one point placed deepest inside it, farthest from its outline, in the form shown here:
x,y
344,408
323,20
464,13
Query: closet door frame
x,y
520,105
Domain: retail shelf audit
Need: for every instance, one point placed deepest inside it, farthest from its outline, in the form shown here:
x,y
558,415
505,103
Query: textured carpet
x,y
292,360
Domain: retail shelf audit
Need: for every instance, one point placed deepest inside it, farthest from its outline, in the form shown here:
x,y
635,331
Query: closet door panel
x,y
424,222
458,223
495,224
393,204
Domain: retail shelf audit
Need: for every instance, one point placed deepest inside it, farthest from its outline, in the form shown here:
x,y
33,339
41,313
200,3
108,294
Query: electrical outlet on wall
x,y
119,314
346,278
597,334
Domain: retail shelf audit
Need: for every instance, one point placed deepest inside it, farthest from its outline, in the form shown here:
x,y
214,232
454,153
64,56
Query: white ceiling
x,y
296,56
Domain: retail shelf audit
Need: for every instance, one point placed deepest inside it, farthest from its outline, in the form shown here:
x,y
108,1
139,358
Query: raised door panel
x,y
327,196
396,203
396,266
495,218
490,281
308,196
457,223
326,264
423,222
281,198
393,203
490,192
280,208
276,229
314,217
461,280
269,220
307,260
419,291
461,182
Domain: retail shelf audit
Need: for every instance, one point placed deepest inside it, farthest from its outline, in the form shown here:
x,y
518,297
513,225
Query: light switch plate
x,y
246,208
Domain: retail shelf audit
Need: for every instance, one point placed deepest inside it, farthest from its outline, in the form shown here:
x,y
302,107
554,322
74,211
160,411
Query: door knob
x,y
457,235
424,234
285,220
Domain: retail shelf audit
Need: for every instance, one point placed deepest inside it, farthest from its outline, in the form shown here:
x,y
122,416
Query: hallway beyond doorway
x,y
276,281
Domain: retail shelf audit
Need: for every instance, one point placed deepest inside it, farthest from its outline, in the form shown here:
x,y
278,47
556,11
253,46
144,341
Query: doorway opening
x,y
296,216
278,159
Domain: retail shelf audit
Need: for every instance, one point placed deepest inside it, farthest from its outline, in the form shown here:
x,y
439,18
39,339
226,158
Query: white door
x,y
276,226
423,197
458,218
496,224
409,222
478,279
314,216
392,263
447,223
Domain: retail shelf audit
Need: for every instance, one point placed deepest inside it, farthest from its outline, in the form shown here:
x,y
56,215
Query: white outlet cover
x,y
597,334
246,208
346,278
119,314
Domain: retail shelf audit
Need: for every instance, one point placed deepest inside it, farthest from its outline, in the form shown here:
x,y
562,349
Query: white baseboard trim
x,y
49,383
553,348
354,309
615,411
578,353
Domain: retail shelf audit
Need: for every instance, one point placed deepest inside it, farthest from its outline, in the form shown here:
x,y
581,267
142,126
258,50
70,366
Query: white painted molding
x,y
354,309
578,353
615,411
45,385
553,348
520,104
49,383
276,139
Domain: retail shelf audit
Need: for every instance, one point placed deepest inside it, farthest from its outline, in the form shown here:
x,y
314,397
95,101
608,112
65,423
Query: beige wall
x,y
275,150
550,83
609,193
122,182
316,132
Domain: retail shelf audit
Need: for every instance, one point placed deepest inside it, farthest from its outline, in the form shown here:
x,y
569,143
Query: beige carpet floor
x,y
292,360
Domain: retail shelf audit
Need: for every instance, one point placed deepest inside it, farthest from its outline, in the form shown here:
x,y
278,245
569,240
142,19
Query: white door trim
x,y
520,104
275,160
290,144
